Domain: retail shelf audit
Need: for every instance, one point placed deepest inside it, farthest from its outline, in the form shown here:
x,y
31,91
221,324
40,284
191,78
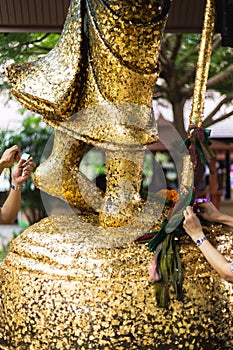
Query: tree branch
x,y
176,47
163,54
217,42
185,58
186,78
218,78
208,123
223,101
209,119
37,40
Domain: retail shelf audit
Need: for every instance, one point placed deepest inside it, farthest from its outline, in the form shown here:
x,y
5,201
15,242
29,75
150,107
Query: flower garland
x,y
163,243
166,263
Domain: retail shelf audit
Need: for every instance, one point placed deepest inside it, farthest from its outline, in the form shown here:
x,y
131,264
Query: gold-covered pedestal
x,y
62,290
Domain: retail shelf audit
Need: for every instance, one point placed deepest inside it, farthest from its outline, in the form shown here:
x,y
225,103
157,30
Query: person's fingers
x,y
203,206
30,160
16,152
33,165
15,148
189,210
27,169
21,163
28,166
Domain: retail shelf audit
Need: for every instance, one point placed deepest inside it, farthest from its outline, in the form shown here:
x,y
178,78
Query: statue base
x,y
68,283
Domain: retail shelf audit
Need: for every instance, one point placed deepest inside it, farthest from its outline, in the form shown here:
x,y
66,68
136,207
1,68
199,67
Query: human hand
x,y
22,171
208,211
9,157
192,224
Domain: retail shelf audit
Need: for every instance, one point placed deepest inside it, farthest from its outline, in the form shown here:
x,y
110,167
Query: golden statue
x,y
95,87
80,281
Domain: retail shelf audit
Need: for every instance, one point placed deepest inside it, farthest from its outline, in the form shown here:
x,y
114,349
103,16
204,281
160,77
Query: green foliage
x,y
178,58
179,55
19,47
220,60
4,248
32,138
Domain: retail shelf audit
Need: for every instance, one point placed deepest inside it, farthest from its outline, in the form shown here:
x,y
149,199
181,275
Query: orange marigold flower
x,y
170,195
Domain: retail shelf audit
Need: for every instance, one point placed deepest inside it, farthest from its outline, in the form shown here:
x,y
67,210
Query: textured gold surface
x,y
95,88
187,175
124,177
59,175
50,85
64,290
107,54
203,64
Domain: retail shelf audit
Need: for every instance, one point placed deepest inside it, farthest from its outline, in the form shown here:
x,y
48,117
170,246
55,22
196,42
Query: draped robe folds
x,y
95,88
103,69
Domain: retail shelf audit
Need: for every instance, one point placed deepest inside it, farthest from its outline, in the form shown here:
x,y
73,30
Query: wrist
x,y
16,187
197,235
15,184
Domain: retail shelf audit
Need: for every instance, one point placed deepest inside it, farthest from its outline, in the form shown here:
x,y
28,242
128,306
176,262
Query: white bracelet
x,y
199,241
16,188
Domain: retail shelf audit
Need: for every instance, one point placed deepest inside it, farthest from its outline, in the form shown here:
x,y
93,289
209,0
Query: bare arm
x,y
226,219
9,211
193,228
209,212
11,206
